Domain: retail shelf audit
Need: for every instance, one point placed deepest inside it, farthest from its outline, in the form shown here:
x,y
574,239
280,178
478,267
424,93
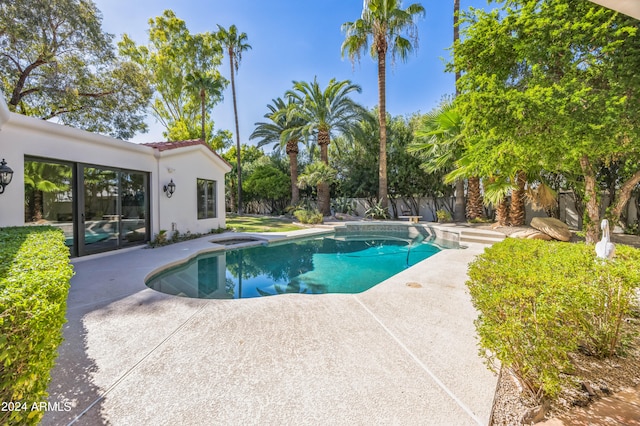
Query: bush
x,y
34,284
308,216
538,301
443,216
376,211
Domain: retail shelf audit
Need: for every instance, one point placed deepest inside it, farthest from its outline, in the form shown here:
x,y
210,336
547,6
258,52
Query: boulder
x,y
553,227
531,234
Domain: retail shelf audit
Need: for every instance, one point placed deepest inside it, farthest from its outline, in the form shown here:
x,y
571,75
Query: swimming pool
x,y
330,264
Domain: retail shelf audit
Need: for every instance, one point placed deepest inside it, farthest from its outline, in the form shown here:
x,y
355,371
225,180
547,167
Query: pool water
x,y
314,266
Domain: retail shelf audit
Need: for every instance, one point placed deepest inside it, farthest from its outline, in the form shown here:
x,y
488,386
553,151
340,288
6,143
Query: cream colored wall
x,y
20,136
185,166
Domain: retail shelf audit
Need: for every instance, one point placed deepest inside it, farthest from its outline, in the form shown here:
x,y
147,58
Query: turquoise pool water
x,y
330,264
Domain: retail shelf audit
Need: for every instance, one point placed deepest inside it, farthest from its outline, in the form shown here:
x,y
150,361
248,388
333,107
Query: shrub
x,y
344,205
34,284
376,211
538,301
443,216
308,216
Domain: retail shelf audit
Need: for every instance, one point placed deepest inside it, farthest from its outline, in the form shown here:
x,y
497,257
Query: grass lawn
x,y
260,224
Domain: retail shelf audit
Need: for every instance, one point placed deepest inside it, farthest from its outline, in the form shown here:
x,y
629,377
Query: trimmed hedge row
x,y
34,284
538,301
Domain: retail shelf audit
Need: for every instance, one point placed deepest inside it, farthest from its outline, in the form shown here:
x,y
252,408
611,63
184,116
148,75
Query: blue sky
x,y
298,40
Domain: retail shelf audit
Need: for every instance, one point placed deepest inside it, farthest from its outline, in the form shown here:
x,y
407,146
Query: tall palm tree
x,y
323,112
385,23
474,182
274,131
203,83
235,44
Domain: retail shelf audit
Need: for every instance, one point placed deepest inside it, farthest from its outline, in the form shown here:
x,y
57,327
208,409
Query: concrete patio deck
x,y
391,355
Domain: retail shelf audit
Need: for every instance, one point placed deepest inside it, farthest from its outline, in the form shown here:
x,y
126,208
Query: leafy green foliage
x,y
322,113
57,62
34,283
538,301
443,216
547,85
308,216
182,67
344,205
268,183
316,173
377,211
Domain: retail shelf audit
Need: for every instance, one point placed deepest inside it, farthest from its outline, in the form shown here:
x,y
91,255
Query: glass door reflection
x,y
100,220
133,207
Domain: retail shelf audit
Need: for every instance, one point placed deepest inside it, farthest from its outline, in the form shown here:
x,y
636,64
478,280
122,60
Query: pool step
x,y
481,236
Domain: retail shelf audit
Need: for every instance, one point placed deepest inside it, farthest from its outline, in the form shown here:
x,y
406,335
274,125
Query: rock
x,y
535,414
531,234
552,227
588,388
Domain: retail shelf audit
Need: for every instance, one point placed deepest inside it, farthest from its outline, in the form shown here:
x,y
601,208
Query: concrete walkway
x,y
394,354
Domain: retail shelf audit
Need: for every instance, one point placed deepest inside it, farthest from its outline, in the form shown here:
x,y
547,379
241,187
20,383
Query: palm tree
x,y
42,177
203,83
440,136
384,22
274,131
235,44
322,112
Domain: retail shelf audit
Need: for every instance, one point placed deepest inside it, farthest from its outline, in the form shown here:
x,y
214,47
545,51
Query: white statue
x,y
605,248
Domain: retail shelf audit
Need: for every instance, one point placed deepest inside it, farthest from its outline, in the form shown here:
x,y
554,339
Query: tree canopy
x,y
551,84
179,64
57,63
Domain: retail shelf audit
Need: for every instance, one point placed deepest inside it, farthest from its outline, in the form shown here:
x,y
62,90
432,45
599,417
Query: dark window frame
x,y
206,198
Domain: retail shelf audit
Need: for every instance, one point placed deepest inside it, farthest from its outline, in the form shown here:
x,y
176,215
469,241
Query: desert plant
x,y
376,211
344,205
160,239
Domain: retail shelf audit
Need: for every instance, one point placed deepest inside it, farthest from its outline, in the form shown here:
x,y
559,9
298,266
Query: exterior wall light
x,y
170,188
6,174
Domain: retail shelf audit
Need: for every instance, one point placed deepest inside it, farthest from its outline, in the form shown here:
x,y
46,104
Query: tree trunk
x,y
624,194
203,136
475,209
37,205
458,211
382,116
292,152
502,212
591,196
517,212
235,114
324,196
456,37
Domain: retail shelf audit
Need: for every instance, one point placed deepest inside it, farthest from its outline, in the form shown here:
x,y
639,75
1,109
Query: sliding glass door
x,y
99,215
98,208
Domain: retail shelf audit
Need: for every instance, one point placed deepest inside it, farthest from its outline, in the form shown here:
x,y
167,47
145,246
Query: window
x,y
206,199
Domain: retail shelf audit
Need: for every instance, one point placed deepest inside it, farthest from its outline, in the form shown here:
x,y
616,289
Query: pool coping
x,y
129,352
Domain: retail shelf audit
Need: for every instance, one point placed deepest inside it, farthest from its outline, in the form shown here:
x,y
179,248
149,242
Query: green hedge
x,y
34,284
538,301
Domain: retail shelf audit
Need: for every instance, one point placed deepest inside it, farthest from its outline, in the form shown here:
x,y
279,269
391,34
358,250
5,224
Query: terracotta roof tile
x,y
164,146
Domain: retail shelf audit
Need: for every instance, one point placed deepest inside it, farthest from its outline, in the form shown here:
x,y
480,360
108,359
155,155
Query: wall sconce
x,y
6,174
170,189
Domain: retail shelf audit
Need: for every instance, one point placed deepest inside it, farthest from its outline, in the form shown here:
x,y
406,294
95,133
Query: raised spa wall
x,y
445,238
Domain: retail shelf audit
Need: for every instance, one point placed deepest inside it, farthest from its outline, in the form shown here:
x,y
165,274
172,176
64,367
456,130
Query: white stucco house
x,y
103,192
